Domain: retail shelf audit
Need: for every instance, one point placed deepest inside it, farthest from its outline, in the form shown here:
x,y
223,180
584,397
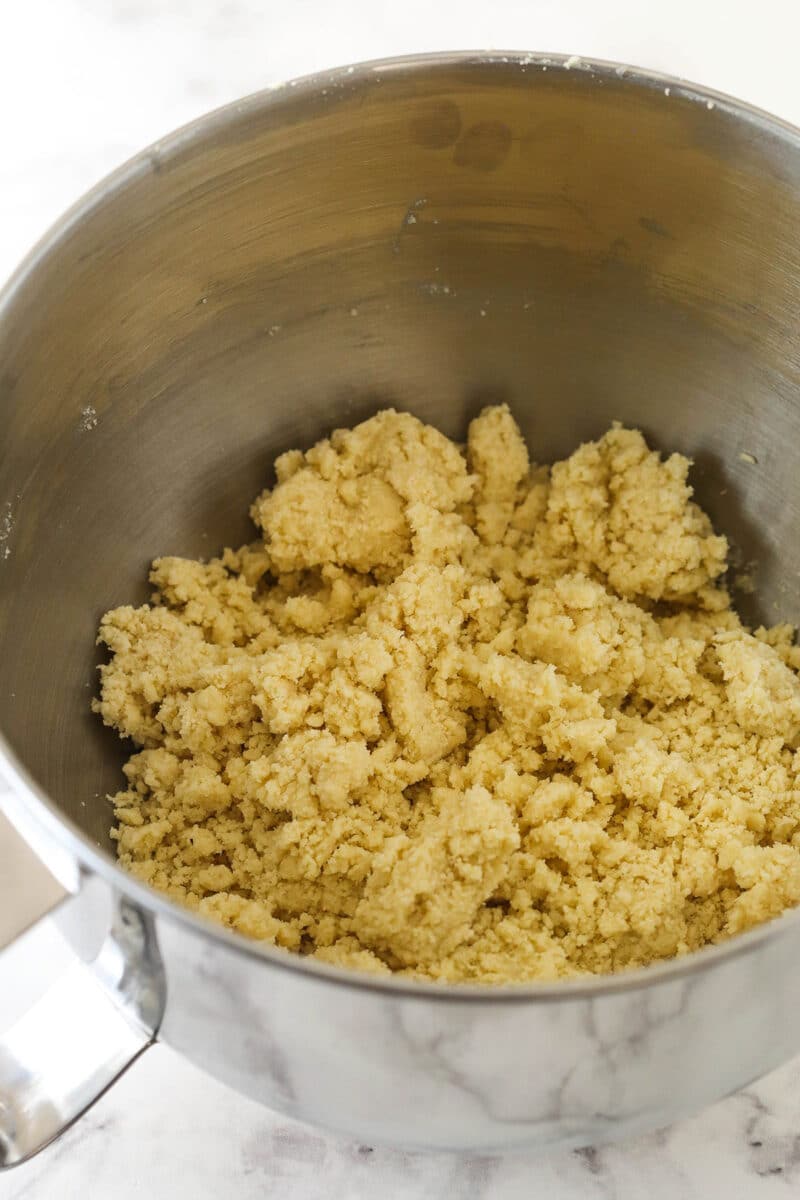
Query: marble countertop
x,y
86,83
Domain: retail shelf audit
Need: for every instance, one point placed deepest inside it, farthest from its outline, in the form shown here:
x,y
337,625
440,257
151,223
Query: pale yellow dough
x,y
459,717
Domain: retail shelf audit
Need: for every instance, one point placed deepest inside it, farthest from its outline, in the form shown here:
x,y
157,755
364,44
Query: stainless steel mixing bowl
x,y
584,241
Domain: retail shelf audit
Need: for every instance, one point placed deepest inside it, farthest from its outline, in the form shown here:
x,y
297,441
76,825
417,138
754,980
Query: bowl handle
x,y
95,1019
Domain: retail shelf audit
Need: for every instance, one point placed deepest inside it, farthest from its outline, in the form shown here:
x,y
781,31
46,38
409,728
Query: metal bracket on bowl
x,y
93,1021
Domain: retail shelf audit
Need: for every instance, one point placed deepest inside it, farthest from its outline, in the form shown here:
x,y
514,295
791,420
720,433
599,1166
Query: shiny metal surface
x,y
588,243
84,1031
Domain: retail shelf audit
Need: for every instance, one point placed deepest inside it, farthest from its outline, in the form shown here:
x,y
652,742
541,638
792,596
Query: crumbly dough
x,y
459,717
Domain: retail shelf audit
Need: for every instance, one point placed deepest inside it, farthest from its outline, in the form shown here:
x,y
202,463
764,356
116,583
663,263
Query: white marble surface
x,y
84,84
165,1130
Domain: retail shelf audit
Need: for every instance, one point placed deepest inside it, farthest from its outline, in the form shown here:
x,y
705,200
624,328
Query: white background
x,y
83,85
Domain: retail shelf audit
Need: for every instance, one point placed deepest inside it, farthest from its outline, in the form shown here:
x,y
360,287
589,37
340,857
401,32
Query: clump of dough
x,y
460,717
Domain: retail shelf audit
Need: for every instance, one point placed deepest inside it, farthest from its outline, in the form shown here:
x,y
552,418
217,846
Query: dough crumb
x,y
458,716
